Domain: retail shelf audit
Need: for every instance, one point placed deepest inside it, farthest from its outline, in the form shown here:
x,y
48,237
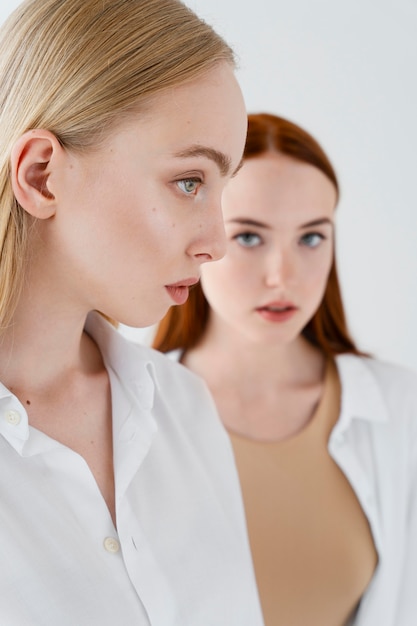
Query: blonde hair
x,y
76,67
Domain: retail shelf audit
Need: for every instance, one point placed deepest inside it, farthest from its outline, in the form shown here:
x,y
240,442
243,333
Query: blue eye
x,y
248,240
311,240
189,186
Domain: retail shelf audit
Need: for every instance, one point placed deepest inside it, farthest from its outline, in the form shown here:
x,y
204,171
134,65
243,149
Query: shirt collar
x,y
361,394
128,360
130,363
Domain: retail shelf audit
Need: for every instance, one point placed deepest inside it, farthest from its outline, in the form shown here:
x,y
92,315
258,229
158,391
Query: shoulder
x,y
168,372
169,369
370,385
390,377
177,389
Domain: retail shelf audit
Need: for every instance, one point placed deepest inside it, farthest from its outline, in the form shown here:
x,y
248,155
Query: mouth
x,y
276,308
282,305
277,311
179,291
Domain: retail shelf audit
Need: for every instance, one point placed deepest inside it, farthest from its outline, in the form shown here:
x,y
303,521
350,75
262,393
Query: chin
x,y
277,337
142,319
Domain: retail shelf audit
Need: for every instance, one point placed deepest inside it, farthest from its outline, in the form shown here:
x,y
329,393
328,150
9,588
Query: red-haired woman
x,y
323,436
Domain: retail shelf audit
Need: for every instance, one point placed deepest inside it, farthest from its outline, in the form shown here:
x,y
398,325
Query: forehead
x,y
208,111
275,186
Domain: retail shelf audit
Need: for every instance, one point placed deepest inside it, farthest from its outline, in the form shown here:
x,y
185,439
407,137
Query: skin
x,y
278,216
114,227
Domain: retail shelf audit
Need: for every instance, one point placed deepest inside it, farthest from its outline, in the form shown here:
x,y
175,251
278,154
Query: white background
x,y
347,72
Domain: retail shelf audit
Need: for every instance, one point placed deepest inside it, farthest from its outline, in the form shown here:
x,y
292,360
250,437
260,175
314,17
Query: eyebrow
x,y
245,221
222,161
320,222
249,222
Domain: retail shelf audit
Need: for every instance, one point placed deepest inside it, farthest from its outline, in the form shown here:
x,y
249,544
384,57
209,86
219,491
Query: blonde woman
x,y
121,122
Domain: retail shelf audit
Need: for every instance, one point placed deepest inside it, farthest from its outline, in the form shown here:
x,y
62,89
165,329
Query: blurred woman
x,y
323,436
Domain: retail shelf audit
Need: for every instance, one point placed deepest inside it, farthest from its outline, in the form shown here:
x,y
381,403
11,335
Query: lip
x,y
179,291
278,312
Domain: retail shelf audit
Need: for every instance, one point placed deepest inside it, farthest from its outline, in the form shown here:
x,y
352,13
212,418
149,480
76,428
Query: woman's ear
x,y
32,161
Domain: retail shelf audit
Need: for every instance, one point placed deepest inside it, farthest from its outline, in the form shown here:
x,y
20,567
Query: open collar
x,y
361,394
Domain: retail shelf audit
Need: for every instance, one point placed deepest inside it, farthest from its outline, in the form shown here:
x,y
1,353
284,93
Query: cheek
x,y
317,274
211,276
219,281
227,273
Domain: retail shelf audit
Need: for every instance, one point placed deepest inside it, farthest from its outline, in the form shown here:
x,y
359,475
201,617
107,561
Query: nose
x,y
279,270
210,242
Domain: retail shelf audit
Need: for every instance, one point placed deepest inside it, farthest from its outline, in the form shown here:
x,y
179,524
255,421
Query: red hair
x,y
183,326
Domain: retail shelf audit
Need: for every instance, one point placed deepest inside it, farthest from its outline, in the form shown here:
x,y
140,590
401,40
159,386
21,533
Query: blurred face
x,y
278,216
141,214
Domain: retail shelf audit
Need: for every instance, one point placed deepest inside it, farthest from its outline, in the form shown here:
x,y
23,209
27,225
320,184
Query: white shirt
x,y
375,444
180,554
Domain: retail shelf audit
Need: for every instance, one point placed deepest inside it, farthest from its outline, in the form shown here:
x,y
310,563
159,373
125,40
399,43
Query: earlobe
x,y
31,166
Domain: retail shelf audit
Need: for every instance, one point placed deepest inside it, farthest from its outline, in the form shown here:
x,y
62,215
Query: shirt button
x,y
111,545
12,418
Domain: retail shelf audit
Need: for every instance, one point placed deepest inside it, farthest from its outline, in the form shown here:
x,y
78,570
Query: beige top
x,y
311,543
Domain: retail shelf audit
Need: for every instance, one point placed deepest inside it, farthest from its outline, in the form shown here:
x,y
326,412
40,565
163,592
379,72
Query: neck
x,y
225,352
43,345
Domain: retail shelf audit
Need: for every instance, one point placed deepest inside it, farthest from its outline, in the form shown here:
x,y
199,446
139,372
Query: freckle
x,y
92,442
27,401
153,209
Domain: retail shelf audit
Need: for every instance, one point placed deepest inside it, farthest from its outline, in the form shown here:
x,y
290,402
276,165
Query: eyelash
x,y
240,238
305,240
193,179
